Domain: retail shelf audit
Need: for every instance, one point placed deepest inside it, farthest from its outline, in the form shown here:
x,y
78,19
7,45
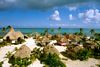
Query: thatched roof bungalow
x,y
13,35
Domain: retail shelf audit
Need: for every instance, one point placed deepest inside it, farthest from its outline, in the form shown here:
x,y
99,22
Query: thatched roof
x,y
51,49
45,39
23,52
13,35
77,48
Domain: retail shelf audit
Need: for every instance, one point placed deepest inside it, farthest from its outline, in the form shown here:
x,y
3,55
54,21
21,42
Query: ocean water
x,y
63,30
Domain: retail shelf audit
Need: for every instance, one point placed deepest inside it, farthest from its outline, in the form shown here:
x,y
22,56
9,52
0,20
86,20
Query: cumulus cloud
x,y
55,16
90,15
72,8
38,4
71,17
81,15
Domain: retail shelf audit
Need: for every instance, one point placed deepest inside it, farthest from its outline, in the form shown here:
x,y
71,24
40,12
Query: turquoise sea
x,y
40,30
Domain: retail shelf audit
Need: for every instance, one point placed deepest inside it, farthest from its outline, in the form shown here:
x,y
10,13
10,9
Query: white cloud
x,y
71,17
87,20
72,8
80,15
91,15
97,15
55,16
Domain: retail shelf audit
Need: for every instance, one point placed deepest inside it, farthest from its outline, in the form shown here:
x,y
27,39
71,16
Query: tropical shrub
x,y
52,60
1,37
1,63
36,52
96,52
82,54
98,65
4,43
16,49
9,54
19,62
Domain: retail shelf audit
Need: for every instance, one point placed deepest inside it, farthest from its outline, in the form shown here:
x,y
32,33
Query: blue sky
x,y
50,13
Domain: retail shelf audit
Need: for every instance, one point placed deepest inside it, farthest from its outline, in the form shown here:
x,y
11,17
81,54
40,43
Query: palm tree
x,y
52,30
59,29
81,31
8,27
92,31
46,31
3,29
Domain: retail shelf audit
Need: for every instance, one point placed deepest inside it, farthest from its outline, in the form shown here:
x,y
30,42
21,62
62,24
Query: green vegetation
x,y
1,37
4,29
78,47
59,30
8,42
4,43
50,60
82,54
92,31
96,52
19,62
37,52
1,63
52,30
88,46
98,65
9,54
16,49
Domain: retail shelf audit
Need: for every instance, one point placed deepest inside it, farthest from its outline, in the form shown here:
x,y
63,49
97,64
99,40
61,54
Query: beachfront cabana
x,y
13,35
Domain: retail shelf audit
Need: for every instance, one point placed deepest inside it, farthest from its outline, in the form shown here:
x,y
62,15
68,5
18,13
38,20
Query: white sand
x,y
6,64
60,48
36,64
89,63
77,63
31,44
4,50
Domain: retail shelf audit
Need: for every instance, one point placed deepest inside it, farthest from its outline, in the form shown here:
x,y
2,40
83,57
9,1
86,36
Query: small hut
x,y
13,35
23,52
51,49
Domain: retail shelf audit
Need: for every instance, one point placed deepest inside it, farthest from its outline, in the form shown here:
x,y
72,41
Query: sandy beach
x,y
31,44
